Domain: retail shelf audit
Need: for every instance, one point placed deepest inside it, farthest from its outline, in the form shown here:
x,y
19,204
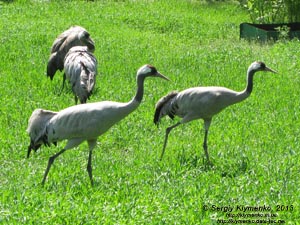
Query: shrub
x,y
272,11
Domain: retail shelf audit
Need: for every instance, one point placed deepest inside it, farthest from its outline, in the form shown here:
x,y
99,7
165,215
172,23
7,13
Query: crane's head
x,y
150,71
260,66
86,40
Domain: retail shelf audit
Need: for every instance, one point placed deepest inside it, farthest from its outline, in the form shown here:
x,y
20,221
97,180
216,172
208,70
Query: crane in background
x,y
203,103
74,36
80,68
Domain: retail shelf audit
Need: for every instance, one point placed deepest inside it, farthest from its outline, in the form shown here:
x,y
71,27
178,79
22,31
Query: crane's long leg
x,y
168,130
205,145
70,144
50,162
206,124
92,144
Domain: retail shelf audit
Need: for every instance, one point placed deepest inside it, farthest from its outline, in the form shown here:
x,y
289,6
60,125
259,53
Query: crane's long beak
x,y
158,74
270,70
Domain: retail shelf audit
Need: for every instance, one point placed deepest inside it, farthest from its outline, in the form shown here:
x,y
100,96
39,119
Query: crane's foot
x,y
210,164
89,169
207,162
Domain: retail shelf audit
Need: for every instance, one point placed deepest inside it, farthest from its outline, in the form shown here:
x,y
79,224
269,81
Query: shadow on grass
x,y
231,168
235,168
192,161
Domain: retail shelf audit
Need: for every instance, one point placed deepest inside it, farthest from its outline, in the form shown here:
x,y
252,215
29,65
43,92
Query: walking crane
x,y
203,103
84,122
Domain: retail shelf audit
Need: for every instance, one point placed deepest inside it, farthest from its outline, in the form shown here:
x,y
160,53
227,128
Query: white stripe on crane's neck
x,y
250,75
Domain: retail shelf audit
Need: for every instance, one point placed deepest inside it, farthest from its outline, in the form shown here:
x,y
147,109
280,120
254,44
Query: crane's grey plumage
x,y
80,69
203,103
84,122
74,36
35,129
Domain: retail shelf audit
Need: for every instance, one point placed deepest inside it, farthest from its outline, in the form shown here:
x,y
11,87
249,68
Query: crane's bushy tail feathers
x,y
35,145
37,129
165,106
90,78
91,82
87,83
32,146
81,69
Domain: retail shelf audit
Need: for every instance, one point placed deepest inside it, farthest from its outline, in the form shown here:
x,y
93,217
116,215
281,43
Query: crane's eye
x,y
262,65
153,69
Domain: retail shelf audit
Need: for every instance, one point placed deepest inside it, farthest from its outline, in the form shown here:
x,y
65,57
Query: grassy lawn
x,y
254,145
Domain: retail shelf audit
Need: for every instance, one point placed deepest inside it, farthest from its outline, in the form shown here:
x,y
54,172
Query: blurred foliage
x,y
272,11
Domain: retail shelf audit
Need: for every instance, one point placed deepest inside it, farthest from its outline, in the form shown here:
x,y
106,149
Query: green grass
x,y
254,145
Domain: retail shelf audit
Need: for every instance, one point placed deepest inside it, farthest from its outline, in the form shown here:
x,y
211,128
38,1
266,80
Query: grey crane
x,y
203,103
80,68
74,36
84,122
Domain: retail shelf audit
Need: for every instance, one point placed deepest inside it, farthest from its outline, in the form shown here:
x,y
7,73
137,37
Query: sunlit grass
x,y
254,145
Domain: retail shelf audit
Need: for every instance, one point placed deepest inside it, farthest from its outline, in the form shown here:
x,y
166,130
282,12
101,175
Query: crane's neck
x,y
248,90
124,109
240,96
137,99
250,75
140,89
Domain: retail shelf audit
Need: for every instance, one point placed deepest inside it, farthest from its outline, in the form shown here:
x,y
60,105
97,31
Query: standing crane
x,y
74,36
203,103
84,122
80,68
